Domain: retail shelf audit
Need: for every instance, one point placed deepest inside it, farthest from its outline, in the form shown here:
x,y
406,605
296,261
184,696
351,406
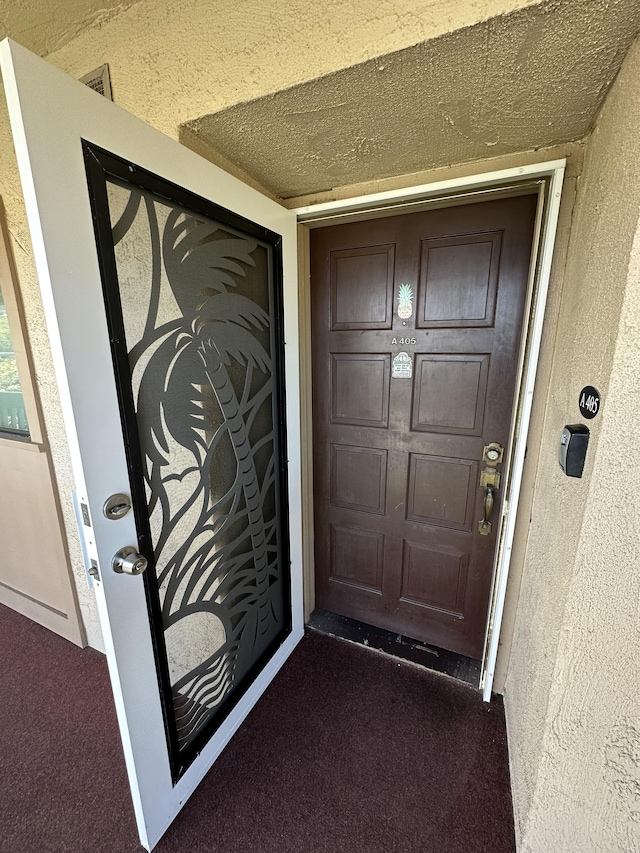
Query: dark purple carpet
x,y
348,752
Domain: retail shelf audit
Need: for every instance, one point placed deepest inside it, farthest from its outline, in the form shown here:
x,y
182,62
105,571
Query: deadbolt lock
x,y
493,453
117,506
128,562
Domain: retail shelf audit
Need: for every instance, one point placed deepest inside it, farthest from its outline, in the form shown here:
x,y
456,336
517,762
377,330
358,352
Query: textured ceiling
x,y
46,25
533,78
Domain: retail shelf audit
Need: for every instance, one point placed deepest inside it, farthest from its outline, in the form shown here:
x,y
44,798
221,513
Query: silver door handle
x,y
128,562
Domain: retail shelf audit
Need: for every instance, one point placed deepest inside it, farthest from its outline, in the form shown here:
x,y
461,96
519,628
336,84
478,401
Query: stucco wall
x,y
572,687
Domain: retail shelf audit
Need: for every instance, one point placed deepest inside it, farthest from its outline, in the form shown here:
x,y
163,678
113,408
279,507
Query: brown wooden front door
x,y
416,323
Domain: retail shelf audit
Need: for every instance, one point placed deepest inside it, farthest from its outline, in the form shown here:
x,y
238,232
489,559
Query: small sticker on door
x,y
405,301
402,367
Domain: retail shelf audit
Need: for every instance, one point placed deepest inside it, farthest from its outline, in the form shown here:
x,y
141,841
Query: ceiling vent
x,y
99,80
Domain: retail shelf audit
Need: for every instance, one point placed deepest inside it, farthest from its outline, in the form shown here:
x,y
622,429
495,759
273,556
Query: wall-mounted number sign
x,y
589,402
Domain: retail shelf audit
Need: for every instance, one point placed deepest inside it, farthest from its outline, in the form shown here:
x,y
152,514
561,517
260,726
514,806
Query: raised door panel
x,y
362,288
34,570
356,557
358,478
360,389
434,578
459,280
441,491
450,393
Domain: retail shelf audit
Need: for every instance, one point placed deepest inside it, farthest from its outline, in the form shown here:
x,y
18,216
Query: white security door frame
x,y
52,115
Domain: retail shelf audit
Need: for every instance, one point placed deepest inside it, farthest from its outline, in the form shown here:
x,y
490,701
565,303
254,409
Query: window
x,y
13,413
13,417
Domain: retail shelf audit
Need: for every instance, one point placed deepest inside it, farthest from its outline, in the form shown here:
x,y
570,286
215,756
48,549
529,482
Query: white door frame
x,y
437,193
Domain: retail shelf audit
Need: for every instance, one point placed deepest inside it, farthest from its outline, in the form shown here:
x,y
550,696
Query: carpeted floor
x,y
347,752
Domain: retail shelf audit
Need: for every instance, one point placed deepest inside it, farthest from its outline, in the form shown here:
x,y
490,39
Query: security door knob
x,y
128,562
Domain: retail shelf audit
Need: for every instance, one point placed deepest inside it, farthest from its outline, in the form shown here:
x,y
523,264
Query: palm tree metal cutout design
x,y
201,362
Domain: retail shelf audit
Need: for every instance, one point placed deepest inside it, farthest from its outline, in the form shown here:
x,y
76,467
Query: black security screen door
x,y
193,296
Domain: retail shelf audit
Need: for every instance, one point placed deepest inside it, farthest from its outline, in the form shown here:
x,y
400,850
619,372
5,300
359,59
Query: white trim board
x,y
553,172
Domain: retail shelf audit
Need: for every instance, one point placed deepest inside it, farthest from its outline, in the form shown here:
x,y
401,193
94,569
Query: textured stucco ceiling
x,y
46,25
533,78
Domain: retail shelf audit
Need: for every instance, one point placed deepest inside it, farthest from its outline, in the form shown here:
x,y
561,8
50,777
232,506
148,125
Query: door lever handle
x,y
484,526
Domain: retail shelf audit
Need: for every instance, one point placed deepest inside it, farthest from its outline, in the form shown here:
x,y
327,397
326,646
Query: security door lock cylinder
x,y
573,449
117,506
128,562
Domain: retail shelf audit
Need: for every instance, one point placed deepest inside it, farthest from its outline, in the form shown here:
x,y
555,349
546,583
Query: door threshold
x,y
431,657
